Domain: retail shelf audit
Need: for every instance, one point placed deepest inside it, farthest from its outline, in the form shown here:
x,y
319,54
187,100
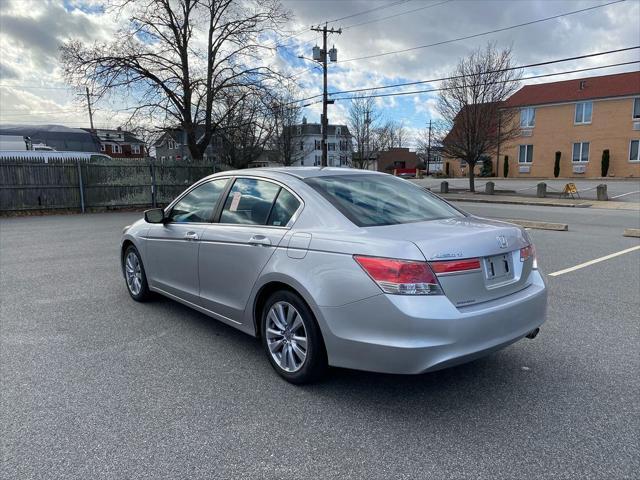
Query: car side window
x,y
284,208
249,202
198,205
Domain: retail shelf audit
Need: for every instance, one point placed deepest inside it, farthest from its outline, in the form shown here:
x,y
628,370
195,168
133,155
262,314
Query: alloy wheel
x,y
286,336
133,273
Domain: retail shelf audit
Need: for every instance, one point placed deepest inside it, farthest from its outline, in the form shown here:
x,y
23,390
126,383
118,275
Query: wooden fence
x,y
94,185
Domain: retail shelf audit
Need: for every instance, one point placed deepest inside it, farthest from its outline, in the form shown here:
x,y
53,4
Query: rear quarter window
x,y
374,200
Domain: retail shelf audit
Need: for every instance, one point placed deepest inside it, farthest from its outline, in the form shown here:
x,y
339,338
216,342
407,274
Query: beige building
x,y
580,119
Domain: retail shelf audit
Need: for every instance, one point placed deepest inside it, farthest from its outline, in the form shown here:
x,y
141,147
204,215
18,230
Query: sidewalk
x,y
547,202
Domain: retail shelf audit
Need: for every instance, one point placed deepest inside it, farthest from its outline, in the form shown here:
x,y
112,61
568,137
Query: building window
x,y
525,154
634,151
103,147
301,146
135,149
636,108
317,161
317,145
583,112
171,144
299,130
331,147
581,152
338,131
116,148
163,158
527,117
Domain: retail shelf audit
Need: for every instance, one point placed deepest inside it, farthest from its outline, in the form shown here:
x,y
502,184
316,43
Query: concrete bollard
x,y
601,191
444,187
489,188
542,190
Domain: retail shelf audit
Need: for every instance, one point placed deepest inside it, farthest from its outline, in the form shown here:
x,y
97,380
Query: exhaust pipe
x,y
533,334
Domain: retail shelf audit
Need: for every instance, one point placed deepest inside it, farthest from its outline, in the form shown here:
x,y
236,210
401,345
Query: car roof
x,y
303,172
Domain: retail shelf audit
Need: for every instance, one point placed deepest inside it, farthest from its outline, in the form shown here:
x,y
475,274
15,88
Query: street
x,y
95,385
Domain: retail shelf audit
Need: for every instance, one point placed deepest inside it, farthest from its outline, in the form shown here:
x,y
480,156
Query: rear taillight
x,y
453,266
529,252
400,277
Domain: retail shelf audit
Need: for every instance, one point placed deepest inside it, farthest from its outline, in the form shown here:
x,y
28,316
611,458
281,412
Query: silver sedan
x,y
339,267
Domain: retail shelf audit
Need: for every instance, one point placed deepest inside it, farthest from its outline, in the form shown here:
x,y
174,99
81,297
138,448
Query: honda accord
x,y
340,267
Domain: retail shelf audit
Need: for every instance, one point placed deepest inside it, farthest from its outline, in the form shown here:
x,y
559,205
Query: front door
x,y
172,248
233,252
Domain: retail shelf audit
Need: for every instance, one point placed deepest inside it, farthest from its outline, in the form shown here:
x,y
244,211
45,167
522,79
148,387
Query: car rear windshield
x,y
372,200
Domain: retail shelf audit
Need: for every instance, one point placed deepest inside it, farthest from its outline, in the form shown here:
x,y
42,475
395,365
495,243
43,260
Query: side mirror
x,y
154,215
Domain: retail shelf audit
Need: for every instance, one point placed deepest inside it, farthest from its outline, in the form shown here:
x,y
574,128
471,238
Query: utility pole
x,y
429,149
365,164
321,56
89,105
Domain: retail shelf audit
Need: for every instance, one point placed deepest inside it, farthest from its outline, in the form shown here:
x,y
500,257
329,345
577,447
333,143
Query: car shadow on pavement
x,y
487,383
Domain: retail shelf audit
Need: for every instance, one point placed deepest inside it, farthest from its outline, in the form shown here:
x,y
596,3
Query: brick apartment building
x,y
580,119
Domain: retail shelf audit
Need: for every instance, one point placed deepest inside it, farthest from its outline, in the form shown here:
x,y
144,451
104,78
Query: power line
x,y
537,64
497,30
417,92
396,15
34,87
369,11
531,65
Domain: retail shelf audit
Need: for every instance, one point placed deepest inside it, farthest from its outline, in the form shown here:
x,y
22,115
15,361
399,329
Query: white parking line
x,y
591,262
625,194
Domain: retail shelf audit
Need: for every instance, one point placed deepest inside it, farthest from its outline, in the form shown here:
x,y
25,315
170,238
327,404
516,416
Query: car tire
x,y
134,275
292,339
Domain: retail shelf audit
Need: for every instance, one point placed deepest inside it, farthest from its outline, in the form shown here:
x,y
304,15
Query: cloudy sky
x,y
32,90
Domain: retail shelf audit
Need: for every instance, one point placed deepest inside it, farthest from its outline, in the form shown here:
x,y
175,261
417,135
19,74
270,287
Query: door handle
x,y
191,236
260,240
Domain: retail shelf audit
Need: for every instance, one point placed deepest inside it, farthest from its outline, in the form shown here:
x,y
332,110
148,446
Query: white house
x,y
307,145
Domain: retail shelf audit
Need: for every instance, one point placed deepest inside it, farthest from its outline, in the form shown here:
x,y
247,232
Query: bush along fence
x,y
84,185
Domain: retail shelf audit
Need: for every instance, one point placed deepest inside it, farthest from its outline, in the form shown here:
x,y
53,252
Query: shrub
x,y
605,162
486,170
505,170
556,165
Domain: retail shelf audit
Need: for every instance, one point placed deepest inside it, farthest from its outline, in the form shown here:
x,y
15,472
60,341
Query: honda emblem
x,y
502,241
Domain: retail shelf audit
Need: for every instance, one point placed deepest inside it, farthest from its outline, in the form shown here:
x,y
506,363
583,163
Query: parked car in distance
x,y
339,267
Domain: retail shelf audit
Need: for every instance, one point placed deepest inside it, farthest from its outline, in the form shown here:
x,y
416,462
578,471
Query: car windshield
x,y
374,200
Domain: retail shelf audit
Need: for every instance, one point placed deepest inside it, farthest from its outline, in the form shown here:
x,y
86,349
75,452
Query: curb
x,y
631,232
516,202
558,227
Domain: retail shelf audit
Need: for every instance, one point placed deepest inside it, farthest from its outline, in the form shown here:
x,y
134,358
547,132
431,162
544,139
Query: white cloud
x,y
32,30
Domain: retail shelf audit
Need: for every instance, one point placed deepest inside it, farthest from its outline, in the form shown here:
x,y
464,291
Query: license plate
x,y
499,267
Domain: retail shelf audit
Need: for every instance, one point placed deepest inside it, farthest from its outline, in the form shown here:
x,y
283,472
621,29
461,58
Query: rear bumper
x,y
410,335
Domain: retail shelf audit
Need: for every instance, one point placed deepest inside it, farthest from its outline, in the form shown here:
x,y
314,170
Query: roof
x,y
303,172
57,136
128,136
605,86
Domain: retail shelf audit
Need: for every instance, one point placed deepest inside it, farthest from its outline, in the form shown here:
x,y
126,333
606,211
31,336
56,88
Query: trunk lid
x,y
496,244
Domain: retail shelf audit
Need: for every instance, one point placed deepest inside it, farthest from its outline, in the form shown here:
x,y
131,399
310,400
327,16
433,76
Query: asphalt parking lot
x,y
94,385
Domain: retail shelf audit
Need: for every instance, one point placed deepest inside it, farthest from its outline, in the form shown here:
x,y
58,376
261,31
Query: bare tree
x,y
471,102
245,130
286,115
397,134
363,123
179,58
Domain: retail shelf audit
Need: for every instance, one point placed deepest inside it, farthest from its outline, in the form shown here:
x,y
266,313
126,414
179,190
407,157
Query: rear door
x,y
171,261
252,221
